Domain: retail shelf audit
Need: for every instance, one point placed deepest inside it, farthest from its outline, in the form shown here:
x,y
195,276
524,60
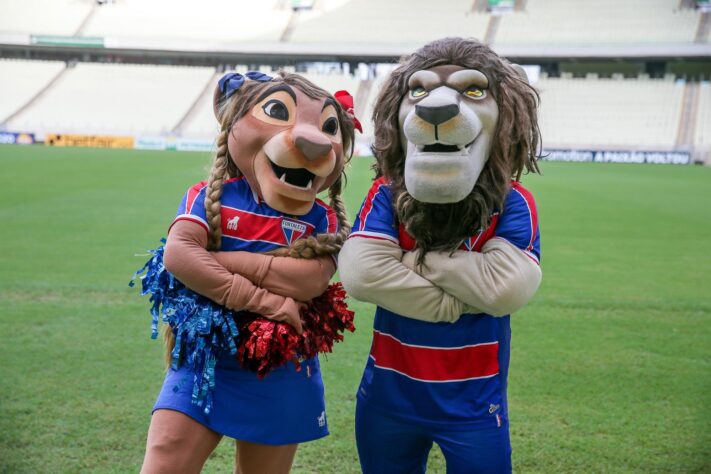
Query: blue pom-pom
x,y
203,329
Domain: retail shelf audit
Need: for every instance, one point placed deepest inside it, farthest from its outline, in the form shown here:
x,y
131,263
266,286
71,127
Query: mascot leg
x,y
389,446
476,451
253,458
177,443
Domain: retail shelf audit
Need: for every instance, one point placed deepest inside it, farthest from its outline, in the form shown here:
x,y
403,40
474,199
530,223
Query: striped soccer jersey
x,y
249,224
442,374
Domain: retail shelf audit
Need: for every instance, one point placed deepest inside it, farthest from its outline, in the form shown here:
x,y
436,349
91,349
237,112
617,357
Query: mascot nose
x,y
312,150
437,115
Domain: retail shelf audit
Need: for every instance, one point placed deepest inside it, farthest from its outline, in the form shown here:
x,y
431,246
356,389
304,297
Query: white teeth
x,y
308,186
461,147
283,178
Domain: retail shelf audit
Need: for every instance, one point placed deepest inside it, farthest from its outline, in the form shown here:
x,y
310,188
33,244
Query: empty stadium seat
x,y
600,22
609,112
392,21
116,99
207,20
21,80
702,135
47,17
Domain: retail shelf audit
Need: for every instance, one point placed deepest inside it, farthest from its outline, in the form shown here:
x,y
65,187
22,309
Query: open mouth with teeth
x,y
442,148
299,177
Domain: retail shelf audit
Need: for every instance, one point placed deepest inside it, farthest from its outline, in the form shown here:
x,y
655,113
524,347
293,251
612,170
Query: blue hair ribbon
x,y
231,82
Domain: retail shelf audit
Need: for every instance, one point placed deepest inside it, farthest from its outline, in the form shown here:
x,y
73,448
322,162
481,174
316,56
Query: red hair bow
x,y
346,101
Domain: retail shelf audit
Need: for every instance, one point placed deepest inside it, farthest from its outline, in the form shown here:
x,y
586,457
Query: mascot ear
x,y
521,72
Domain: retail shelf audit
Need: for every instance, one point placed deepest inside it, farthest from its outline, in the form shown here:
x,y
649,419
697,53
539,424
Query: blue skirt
x,y
285,407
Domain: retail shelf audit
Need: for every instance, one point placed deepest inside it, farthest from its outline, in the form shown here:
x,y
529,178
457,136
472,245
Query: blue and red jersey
x,y
249,224
443,374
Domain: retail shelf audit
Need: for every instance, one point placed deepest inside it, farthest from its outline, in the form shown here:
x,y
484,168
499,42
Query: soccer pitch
x,y
610,364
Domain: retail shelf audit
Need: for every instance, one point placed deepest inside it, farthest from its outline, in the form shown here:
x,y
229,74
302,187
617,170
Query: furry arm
x,y
187,259
299,278
371,271
498,281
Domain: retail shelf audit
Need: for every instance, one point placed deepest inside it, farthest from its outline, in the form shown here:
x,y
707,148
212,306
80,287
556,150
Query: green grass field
x,y
611,363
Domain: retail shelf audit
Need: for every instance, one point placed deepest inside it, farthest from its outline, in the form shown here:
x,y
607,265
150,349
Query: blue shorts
x,y
388,445
285,407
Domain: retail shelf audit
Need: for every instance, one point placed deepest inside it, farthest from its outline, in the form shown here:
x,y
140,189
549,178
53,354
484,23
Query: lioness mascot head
x,y
290,140
454,124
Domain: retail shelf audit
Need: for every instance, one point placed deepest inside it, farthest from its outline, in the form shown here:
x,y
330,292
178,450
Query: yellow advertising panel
x,y
95,141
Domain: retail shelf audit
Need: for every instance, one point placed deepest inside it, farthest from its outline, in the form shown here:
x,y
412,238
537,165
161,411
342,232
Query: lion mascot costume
x,y
446,244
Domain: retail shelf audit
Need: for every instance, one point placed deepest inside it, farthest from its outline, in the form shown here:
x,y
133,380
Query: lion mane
x,y
443,227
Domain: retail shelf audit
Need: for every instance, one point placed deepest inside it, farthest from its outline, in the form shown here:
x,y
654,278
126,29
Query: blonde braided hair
x,y
218,174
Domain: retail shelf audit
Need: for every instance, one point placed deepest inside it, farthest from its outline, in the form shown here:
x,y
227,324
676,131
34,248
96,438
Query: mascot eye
x,y
474,92
330,126
418,92
276,109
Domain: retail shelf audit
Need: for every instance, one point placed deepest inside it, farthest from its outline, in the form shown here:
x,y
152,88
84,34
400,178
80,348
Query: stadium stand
x,y
80,94
115,98
25,79
600,22
48,17
609,112
202,123
367,119
702,135
399,21
185,20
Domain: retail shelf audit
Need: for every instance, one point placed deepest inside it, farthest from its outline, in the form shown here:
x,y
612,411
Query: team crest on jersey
x,y
232,223
293,230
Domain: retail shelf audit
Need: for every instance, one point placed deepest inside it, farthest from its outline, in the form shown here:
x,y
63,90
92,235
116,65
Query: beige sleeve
x,y
498,281
371,271
300,278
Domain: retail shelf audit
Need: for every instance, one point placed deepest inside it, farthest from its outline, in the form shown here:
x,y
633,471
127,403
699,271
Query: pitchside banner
x,y
13,138
94,141
174,143
628,156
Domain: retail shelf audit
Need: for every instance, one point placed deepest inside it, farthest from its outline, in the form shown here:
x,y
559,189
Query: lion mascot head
x,y
454,124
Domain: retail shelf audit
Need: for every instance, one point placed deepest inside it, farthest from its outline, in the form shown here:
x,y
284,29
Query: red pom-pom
x,y
265,345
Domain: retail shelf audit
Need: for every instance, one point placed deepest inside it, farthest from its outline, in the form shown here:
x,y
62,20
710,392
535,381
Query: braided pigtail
x,y
215,182
336,202
325,244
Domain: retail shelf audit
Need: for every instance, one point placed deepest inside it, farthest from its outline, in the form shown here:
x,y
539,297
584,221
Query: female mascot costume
x,y
248,248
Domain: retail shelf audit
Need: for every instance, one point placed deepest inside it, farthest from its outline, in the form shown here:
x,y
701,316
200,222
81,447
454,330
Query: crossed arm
x,y
498,281
267,285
